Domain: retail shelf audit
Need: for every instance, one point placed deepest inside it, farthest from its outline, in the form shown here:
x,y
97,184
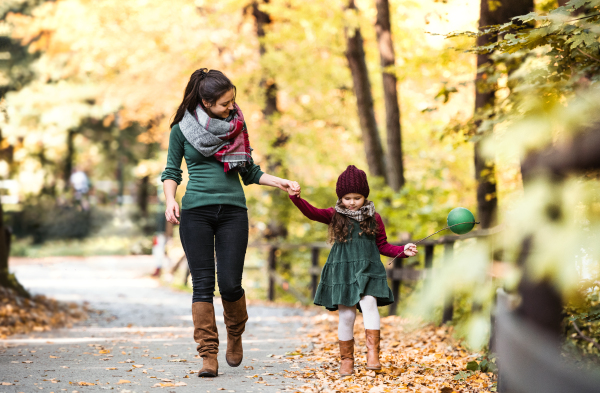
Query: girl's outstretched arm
x,y
311,212
384,247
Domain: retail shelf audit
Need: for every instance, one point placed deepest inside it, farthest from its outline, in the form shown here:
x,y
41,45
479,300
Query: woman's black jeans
x,y
222,229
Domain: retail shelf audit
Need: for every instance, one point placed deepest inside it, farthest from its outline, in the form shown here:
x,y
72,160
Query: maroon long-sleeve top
x,y
325,216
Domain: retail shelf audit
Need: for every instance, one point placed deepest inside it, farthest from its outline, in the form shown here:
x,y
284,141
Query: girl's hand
x,y
295,190
172,212
410,250
291,187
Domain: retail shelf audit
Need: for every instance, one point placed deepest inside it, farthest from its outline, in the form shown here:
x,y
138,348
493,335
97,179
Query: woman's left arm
x,y
274,181
254,175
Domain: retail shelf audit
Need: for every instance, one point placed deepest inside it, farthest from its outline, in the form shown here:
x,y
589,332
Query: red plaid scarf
x,y
237,152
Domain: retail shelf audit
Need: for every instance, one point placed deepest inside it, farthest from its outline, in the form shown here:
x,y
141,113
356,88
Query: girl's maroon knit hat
x,y
352,180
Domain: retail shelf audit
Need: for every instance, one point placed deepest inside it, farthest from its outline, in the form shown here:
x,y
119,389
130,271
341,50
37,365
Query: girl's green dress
x,y
353,270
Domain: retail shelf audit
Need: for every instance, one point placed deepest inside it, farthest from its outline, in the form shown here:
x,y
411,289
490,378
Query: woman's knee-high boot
x,y
235,316
207,337
347,357
372,338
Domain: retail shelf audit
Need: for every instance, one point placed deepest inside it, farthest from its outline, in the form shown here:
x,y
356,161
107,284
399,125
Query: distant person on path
x,y
81,185
353,274
210,133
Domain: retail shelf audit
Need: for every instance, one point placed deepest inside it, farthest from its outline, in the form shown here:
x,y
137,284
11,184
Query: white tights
x,y
368,305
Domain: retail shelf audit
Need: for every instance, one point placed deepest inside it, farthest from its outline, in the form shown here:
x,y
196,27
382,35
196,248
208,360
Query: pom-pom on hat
x,y
352,180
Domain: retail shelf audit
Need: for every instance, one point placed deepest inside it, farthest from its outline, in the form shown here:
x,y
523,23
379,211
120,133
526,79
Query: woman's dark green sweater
x,y
208,183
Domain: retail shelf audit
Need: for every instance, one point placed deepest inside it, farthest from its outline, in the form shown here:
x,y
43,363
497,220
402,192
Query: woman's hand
x,y
291,187
296,191
410,250
172,212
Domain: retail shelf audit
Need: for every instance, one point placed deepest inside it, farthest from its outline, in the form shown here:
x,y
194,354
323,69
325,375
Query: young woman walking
x,y
353,274
210,133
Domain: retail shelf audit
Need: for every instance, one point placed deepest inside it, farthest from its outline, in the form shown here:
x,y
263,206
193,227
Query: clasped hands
x,y
292,187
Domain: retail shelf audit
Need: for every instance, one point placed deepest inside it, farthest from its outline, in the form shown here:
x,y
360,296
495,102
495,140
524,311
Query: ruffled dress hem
x,y
353,270
367,278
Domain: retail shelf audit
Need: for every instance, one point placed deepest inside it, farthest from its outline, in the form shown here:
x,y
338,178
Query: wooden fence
x,y
397,273
528,336
530,358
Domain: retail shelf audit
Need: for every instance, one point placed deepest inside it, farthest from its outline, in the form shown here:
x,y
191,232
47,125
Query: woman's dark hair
x,y
203,85
340,227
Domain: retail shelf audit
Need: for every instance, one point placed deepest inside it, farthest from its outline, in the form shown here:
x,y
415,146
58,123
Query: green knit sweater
x,y
208,183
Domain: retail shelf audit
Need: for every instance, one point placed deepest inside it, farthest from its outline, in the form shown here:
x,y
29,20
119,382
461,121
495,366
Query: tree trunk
x,y
7,280
120,175
485,169
144,187
277,226
69,159
364,99
485,176
143,194
395,167
4,250
263,19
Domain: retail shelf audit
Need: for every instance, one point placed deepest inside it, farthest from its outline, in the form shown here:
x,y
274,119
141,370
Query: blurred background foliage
x,y
112,98
543,72
92,86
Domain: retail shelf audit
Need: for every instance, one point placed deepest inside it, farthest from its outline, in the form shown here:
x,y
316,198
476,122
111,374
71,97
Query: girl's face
x,y
223,107
353,201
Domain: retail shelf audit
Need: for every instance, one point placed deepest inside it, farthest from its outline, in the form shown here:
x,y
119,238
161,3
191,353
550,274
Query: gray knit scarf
x,y
366,211
225,139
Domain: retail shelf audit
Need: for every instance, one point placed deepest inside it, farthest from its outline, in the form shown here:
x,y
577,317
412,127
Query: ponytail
x,y
203,85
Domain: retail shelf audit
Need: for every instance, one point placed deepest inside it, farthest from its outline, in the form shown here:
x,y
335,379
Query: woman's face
x,y
353,201
223,107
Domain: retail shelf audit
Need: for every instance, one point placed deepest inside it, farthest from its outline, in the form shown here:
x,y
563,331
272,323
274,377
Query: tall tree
x,y
277,226
263,19
355,54
491,13
70,157
395,167
15,73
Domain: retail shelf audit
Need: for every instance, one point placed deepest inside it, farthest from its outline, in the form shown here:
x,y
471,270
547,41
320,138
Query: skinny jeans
x,y
209,230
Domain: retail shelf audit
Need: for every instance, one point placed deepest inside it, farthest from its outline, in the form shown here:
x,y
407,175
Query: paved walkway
x,y
142,339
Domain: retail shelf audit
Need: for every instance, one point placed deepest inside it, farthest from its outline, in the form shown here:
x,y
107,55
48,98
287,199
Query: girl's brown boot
x,y
207,337
372,338
235,316
347,356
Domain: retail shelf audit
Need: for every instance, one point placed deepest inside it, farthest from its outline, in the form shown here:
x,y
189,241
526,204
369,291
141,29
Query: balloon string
x,y
419,241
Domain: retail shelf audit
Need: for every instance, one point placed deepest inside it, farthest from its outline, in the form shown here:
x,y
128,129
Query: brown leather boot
x,y
347,356
207,337
372,338
235,316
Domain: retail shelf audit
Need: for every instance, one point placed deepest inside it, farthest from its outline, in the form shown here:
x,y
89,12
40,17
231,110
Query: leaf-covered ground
x,y
21,315
424,359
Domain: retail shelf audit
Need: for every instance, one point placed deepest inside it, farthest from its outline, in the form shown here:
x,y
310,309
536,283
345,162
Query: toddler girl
x,y
354,274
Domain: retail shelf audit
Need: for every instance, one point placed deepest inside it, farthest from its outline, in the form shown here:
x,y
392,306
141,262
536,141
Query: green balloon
x,y
460,215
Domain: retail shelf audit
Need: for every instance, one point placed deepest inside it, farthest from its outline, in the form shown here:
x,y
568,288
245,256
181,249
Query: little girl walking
x,y
354,274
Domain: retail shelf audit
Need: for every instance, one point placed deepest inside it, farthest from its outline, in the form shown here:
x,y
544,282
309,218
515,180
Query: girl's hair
x,y
203,85
340,227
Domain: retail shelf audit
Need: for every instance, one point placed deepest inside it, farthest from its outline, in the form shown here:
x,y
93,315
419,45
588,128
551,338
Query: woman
x,y
210,132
